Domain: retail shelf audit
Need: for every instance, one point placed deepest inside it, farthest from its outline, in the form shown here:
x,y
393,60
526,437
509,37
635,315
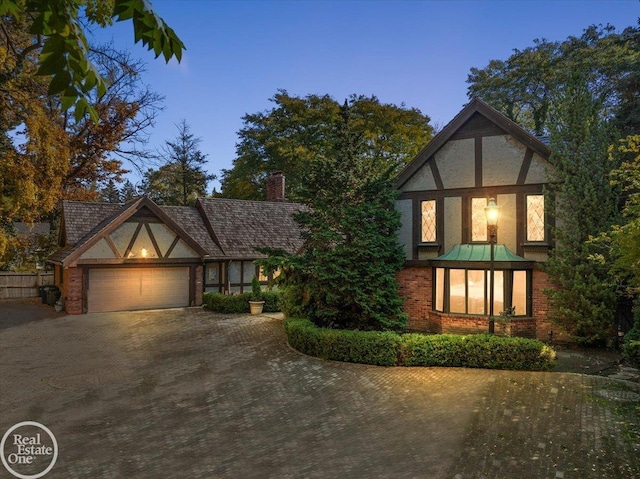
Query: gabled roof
x,y
90,222
191,221
81,217
475,106
241,227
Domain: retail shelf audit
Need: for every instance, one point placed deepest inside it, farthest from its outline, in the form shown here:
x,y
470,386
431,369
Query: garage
x,y
126,289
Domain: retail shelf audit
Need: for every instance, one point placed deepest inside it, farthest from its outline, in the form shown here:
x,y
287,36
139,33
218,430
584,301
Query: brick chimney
x,y
275,187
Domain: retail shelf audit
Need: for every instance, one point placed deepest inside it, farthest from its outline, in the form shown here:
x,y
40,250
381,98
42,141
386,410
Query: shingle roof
x,y
192,223
225,228
242,226
81,217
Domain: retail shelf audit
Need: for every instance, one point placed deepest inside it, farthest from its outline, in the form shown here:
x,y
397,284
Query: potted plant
x,y
504,320
256,303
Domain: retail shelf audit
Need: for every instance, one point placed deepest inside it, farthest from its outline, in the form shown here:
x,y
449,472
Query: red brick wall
x,y
72,290
415,288
198,286
541,309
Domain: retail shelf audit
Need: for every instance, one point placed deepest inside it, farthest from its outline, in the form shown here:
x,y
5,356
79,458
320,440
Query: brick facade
x,y
415,285
72,288
198,285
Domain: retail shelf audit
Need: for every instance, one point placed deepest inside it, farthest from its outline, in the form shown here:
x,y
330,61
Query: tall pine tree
x,y
182,179
582,299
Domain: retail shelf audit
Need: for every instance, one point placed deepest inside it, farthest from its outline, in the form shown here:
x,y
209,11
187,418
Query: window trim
x,y
545,238
435,221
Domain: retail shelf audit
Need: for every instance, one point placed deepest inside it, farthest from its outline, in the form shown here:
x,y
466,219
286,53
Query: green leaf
x,y
59,82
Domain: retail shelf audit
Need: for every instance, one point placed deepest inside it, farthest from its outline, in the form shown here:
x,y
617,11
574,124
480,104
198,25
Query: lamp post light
x,y
491,212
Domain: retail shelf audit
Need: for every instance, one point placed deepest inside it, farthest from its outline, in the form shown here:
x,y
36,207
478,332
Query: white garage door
x,y
124,289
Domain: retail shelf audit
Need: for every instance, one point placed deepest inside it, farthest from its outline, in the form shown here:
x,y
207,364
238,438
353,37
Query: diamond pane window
x,y
429,221
478,219
535,218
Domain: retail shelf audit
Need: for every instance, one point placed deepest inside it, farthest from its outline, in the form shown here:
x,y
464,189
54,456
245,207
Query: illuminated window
x,y
519,297
429,221
457,291
478,219
475,292
439,302
535,218
466,291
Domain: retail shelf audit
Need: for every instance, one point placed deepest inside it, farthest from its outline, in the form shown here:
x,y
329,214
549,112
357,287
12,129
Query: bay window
x,y
466,291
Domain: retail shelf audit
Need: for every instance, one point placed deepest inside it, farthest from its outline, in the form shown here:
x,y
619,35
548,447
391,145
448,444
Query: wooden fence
x,y
22,285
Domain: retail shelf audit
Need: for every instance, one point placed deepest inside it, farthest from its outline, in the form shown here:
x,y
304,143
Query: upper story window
x,y
478,220
428,221
535,218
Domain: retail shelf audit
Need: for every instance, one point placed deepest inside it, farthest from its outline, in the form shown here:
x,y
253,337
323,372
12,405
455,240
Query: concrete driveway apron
x,y
188,393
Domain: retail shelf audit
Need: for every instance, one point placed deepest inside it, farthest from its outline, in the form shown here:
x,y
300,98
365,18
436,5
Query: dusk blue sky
x,y
239,53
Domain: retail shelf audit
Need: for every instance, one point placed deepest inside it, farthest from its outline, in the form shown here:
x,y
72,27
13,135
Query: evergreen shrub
x,y
239,303
396,349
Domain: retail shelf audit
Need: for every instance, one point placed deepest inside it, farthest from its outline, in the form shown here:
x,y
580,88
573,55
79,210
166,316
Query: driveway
x,y
188,393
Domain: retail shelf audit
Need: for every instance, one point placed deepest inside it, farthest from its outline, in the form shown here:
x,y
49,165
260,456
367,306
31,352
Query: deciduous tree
x,y
57,26
522,86
299,129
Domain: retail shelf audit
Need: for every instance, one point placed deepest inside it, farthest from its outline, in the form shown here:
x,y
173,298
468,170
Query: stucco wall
x,y
99,250
507,221
404,207
537,170
502,160
452,222
163,235
422,180
456,163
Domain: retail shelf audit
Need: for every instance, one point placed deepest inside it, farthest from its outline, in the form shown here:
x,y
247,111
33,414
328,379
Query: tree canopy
x,y
182,178
299,129
49,147
583,300
344,276
57,26
522,86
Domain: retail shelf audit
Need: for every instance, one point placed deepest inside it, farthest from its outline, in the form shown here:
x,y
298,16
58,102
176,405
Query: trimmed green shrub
x,y
395,349
239,303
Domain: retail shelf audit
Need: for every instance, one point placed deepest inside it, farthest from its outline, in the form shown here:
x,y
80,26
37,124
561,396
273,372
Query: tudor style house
x,y
140,255
479,155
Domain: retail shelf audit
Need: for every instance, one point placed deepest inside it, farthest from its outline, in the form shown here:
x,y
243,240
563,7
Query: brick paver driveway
x,y
190,394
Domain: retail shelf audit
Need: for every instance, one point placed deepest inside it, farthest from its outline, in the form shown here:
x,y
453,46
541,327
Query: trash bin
x,y
43,293
53,294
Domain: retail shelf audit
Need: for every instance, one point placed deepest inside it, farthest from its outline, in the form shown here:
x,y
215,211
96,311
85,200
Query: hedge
x,y
412,349
239,303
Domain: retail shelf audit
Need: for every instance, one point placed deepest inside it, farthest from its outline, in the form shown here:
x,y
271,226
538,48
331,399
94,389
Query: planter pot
x,y
256,307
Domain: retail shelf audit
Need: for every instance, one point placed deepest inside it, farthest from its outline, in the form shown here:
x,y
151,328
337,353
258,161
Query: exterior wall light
x,y
143,252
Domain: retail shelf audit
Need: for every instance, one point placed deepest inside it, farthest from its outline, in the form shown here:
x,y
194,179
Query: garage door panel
x,y
122,289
